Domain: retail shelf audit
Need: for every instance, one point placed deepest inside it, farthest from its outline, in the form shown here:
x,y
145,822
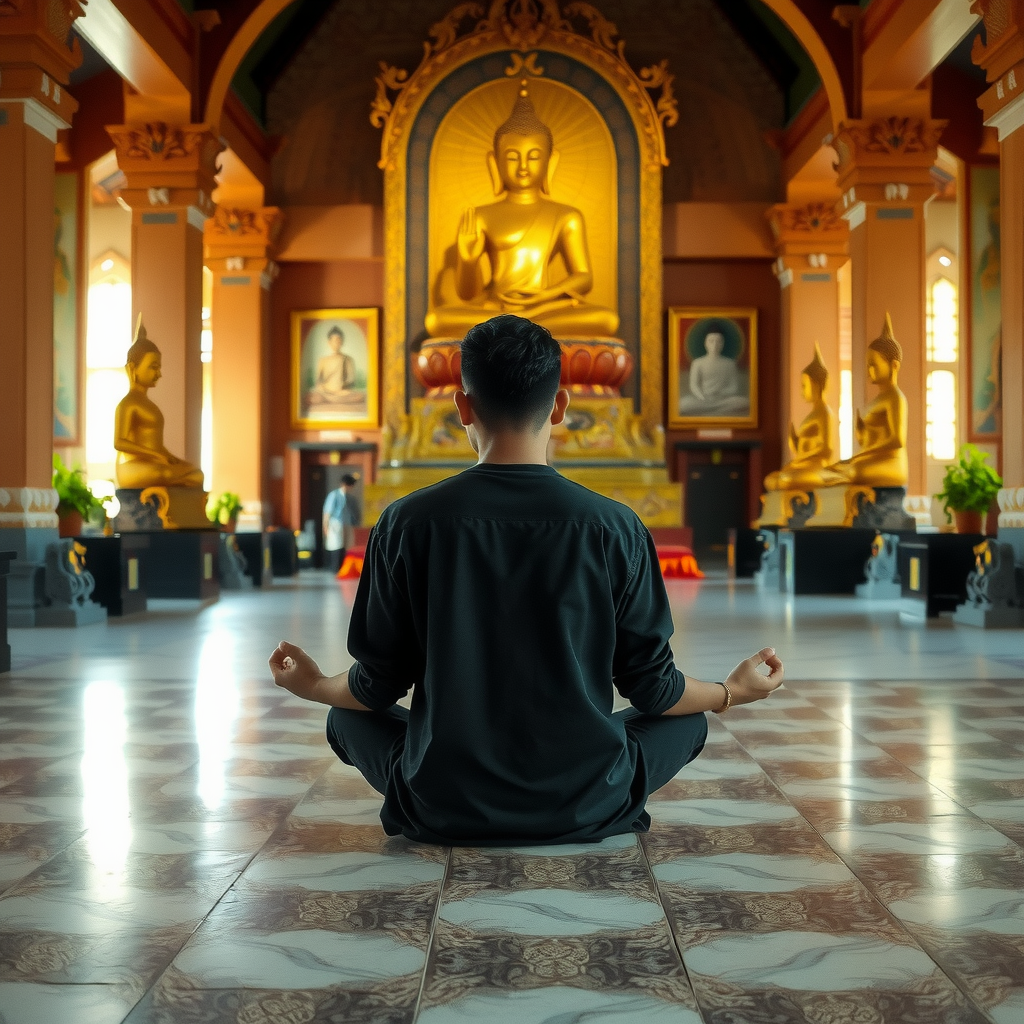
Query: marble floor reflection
x,y
179,845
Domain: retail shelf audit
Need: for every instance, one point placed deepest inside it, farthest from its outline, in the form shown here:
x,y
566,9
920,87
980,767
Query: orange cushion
x,y
678,563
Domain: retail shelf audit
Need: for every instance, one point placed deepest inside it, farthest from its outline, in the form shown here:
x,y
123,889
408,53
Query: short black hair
x,y
338,331
349,480
511,368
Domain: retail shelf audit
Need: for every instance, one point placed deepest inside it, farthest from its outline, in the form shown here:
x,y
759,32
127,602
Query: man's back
x,y
508,598
509,601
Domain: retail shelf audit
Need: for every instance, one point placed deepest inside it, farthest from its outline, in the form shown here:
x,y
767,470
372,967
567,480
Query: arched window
x,y
942,333
943,321
108,336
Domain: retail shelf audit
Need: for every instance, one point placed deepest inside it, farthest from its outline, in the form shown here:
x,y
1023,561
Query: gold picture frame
x,y
335,368
712,389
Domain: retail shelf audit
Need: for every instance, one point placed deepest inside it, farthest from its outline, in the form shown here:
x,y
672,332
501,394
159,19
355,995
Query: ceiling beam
x,y
142,48
915,39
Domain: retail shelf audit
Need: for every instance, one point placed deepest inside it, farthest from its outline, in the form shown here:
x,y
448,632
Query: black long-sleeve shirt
x,y
510,600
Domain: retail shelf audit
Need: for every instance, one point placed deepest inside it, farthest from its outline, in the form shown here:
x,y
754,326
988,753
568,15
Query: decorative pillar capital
x,y
1002,58
809,230
236,233
1004,36
168,165
886,159
26,508
1011,507
36,60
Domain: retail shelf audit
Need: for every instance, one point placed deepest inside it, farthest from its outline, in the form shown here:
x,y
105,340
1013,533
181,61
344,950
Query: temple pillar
x,y
170,180
34,66
238,245
1002,105
812,241
883,168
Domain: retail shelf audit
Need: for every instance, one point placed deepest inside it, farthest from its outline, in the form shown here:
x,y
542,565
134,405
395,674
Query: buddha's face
x,y
714,343
147,371
334,342
808,389
880,370
523,161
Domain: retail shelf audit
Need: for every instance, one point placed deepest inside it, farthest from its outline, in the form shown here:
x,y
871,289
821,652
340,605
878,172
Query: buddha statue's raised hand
x,y
471,240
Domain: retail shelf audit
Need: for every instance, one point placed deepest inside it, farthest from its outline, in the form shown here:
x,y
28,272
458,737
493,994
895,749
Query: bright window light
x,y
940,428
108,334
942,322
945,261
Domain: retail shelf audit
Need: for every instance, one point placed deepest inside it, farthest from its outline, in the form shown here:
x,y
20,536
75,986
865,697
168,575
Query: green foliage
x,y
969,485
224,508
72,490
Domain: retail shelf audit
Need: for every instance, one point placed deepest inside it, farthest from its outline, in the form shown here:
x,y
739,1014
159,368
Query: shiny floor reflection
x,y
178,844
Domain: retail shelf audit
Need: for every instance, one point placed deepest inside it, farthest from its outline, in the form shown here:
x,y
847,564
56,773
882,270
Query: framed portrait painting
x,y
985,322
712,367
335,370
66,300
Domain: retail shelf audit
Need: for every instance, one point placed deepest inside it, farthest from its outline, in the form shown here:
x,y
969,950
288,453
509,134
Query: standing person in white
x,y
334,531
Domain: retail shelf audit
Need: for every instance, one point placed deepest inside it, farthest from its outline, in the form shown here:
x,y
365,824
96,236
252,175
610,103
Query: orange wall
x,y
736,282
301,285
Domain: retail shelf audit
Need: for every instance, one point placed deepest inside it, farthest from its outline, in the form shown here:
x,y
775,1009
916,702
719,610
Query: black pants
x,y
333,560
373,741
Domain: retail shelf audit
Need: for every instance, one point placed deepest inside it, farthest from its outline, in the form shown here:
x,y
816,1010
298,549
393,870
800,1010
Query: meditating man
x,y
512,603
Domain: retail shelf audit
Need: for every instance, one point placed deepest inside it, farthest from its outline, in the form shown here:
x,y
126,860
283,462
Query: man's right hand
x,y
747,685
296,671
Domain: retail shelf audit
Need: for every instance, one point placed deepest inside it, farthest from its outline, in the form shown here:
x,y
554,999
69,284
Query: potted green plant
x,y
968,489
75,502
224,510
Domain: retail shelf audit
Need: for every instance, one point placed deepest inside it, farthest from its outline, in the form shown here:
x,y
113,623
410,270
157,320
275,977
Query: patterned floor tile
x,y
389,1003
518,920
33,1003
201,850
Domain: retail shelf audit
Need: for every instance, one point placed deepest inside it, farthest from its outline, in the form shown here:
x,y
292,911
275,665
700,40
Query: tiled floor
x,y
178,844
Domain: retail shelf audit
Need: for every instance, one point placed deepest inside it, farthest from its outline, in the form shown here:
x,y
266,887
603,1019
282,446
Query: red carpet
x,y
677,563
353,564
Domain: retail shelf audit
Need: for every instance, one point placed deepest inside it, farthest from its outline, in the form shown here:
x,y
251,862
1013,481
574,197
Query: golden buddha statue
x,y
881,430
142,459
520,235
811,442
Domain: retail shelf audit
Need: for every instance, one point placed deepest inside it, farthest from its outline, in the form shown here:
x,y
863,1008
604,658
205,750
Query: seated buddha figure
x,y
881,429
335,373
142,459
717,388
520,235
811,442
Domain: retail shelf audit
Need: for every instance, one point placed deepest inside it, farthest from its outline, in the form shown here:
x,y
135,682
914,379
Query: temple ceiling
x,y
730,99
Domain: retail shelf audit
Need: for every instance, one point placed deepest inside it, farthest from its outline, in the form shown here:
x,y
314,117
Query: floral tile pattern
x,y
178,845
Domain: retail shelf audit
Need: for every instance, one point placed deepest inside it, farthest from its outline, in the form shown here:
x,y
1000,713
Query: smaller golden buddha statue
x,y
520,235
811,442
881,430
142,459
